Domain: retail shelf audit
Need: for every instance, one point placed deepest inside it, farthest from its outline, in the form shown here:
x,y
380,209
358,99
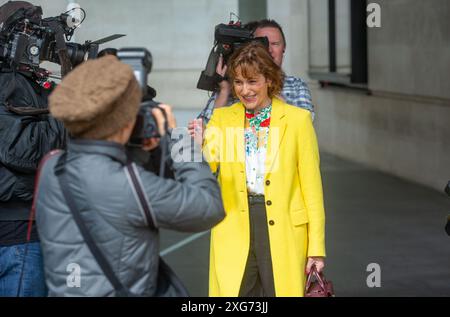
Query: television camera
x,y
227,38
27,39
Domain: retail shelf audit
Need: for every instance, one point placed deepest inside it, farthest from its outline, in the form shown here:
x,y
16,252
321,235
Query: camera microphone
x,y
71,21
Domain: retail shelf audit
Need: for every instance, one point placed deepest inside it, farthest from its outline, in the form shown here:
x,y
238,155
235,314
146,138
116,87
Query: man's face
x,y
276,43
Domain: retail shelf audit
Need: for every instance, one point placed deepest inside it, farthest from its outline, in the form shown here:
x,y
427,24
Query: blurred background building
x,y
390,108
382,99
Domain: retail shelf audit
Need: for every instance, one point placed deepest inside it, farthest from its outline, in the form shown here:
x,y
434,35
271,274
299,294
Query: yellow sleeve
x,y
311,185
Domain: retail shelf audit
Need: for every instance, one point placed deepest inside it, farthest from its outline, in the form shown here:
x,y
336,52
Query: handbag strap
x,y
60,172
319,278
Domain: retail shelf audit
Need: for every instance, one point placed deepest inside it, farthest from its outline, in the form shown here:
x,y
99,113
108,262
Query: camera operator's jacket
x,y
98,182
293,194
24,140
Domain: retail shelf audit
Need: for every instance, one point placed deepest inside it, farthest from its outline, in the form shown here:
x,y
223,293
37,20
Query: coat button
x,y
267,183
271,222
269,202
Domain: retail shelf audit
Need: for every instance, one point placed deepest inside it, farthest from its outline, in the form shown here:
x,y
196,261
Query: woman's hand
x,y
317,261
195,128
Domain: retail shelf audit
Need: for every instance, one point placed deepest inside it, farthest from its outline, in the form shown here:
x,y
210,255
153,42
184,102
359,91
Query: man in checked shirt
x,y
295,91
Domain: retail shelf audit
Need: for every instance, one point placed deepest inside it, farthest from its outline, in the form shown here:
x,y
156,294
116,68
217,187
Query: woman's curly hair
x,y
252,59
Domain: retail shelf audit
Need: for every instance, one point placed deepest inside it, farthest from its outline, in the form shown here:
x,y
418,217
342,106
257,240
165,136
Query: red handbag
x,y
320,287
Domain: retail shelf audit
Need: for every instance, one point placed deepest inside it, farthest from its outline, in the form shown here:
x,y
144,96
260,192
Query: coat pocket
x,y
299,217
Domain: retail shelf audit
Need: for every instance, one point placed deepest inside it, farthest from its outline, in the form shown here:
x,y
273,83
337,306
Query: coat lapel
x,y
276,134
235,123
237,117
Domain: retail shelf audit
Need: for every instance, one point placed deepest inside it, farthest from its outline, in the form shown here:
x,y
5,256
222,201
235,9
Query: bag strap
x,y
35,191
140,195
32,214
164,270
319,278
60,172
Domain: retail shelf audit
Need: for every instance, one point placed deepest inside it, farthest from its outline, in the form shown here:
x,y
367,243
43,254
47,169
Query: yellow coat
x,y
293,192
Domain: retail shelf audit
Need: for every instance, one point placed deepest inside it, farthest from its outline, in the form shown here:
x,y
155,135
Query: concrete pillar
x,y
292,15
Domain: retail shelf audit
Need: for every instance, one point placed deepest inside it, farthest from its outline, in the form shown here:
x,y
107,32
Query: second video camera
x,y
227,38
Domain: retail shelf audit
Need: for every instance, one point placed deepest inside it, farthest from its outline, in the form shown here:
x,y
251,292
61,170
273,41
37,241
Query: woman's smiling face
x,y
252,89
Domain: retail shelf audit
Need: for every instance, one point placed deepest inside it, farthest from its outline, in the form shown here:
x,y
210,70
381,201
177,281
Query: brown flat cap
x,y
97,98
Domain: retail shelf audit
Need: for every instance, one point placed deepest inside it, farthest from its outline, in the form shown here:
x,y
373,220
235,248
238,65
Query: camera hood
x,y
13,11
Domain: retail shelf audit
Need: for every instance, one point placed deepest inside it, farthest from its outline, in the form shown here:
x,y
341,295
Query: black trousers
x,y
258,274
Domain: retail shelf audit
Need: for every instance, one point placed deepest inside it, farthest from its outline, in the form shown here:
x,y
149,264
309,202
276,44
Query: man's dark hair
x,y
251,26
265,23
107,51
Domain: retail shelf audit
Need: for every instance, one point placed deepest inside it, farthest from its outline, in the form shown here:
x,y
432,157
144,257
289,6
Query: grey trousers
x,y
258,274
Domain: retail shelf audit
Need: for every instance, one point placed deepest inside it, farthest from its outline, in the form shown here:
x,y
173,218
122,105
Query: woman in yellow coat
x,y
266,158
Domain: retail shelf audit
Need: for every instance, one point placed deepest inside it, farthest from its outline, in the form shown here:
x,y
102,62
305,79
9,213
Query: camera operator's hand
x,y
152,143
224,85
221,68
160,120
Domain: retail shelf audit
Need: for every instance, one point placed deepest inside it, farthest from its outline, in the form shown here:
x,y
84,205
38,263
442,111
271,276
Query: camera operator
x,y
27,133
98,103
295,91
